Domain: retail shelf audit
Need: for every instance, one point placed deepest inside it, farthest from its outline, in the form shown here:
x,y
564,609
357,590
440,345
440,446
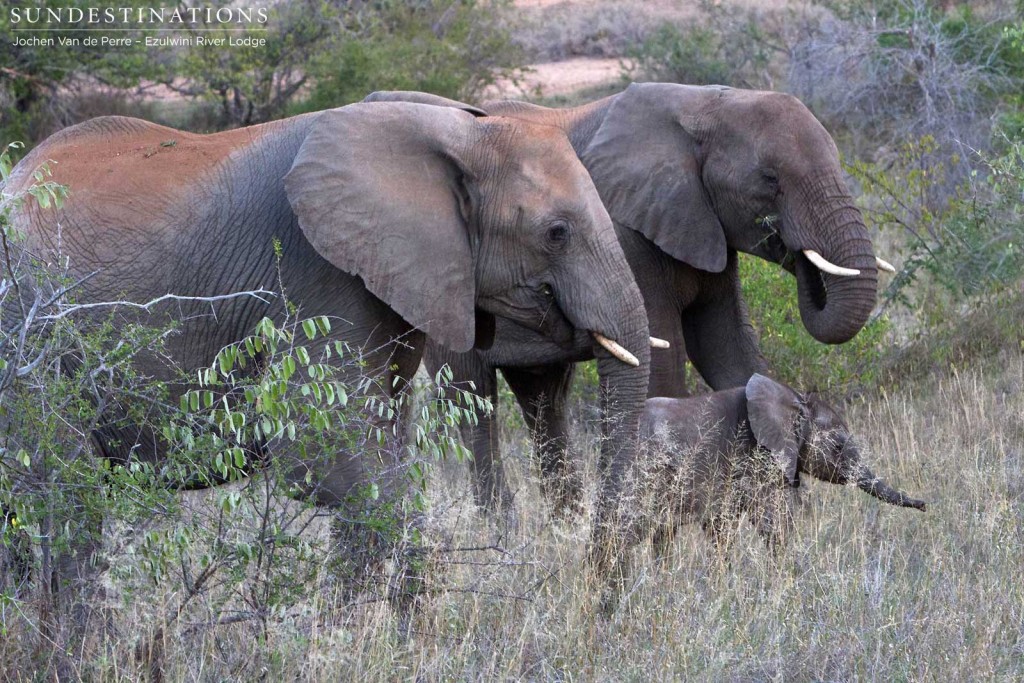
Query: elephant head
x,y
700,170
805,434
450,218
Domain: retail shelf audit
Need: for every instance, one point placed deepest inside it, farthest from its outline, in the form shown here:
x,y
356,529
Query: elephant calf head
x,y
806,434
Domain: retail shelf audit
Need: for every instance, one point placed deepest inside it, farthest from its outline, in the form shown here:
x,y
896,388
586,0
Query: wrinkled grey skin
x,y
688,174
397,220
712,457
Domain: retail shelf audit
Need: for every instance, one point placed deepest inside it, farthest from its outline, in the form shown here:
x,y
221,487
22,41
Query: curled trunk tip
x,y
876,487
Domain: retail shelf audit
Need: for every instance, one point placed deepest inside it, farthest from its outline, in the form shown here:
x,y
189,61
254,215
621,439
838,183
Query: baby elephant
x,y
712,457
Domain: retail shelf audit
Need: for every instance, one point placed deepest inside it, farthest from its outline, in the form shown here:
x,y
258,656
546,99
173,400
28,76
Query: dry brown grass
x,y
863,591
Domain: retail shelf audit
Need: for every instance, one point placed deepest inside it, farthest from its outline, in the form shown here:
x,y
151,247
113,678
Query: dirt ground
x,y
559,78
564,77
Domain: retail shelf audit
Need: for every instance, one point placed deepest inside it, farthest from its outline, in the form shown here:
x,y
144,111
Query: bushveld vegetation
x,y
240,582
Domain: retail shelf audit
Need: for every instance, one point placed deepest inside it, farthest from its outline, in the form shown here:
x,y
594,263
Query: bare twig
x,y
77,308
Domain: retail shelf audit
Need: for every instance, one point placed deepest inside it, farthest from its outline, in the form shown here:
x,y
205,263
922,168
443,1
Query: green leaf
x,y
288,365
226,360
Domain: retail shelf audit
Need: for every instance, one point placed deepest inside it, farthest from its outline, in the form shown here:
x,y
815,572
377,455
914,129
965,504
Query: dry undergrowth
x,y
862,591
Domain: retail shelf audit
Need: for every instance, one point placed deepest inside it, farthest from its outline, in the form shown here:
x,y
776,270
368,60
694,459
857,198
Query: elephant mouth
x,y
535,309
810,280
774,249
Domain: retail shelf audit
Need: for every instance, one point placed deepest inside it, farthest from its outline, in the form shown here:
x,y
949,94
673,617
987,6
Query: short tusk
x,y
659,343
885,265
616,350
830,268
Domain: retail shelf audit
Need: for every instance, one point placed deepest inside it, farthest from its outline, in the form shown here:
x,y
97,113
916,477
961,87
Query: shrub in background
x,y
449,48
972,245
593,29
898,70
692,55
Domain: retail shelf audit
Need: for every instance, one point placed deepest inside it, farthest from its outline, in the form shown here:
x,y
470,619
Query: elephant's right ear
x,y
381,191
645,165
774,413
421,98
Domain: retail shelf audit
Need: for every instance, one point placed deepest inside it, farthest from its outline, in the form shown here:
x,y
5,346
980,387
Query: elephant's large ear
x,y
380,191
644,160
421,98
774,414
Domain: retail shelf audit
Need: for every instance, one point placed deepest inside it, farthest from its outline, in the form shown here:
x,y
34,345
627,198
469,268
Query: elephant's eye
x,y
558,234
770,177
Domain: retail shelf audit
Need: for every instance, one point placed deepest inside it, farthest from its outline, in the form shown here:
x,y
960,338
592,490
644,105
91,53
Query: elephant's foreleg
x,y
774,523
542,394
490,488
720,340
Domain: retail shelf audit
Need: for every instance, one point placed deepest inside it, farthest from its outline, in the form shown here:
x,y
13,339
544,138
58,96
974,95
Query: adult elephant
x,y
691,176
398,220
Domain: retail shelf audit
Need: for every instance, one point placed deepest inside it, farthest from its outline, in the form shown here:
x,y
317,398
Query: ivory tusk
x,y
659,343
832,269
885,265
616,350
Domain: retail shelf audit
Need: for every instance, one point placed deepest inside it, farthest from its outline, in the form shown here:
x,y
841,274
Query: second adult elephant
x,y
396,220
691,176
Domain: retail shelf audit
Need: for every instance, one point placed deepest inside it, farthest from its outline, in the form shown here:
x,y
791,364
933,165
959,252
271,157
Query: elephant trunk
x,y
623,392
820,216
614,310
868,482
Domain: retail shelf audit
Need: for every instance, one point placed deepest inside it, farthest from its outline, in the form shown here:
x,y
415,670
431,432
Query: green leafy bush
x,y
727,48
970,245
453,49
692,55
